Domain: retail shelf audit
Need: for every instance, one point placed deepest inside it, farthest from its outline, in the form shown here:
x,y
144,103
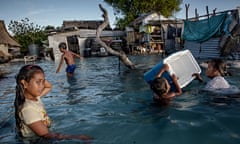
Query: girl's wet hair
x,y
221,66
159,86
25,73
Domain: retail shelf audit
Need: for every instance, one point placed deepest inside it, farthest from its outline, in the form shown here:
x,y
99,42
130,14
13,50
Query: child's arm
x,y
162,70
60,64
41,130
179,90
47,88
197,77
170,95
77,55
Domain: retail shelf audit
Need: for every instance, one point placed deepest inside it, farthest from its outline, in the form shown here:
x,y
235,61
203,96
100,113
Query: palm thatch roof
x,y
5,37
1,54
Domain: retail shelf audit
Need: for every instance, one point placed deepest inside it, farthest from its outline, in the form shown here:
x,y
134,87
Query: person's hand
x,y
197,77
174,77
85,137
81,58
166,67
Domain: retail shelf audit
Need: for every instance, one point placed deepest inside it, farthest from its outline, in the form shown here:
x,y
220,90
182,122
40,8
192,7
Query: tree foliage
x,y
128,10
26,32
49,27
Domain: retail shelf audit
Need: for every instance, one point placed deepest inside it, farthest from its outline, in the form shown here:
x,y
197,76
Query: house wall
x,y
81,42
54,41
82,35
169,45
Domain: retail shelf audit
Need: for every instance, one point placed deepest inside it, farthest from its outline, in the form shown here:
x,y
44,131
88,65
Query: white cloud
x,y
39,12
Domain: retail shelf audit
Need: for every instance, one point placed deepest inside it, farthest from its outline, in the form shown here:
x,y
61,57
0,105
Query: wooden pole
x,y
207,11
196,13
119,64
214,11
187,7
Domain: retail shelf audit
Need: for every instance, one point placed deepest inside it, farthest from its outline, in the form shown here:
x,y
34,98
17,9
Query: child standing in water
x,y
30,114
68,56
216,70
165,90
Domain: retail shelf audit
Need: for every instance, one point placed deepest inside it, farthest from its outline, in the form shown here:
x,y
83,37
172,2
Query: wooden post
x,y
214,11
196,13
119,64
207,11
187,7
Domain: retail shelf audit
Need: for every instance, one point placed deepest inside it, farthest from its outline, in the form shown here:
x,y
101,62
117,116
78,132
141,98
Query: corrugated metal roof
x,y
207,49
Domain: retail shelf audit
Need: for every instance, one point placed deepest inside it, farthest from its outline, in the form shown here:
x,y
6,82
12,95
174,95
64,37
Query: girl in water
x,y
30,114
216,71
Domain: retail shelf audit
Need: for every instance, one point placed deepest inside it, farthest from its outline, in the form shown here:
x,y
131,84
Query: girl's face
x,y
35,86
211,72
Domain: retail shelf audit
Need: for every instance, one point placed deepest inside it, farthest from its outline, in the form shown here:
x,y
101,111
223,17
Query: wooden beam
x,y
187,8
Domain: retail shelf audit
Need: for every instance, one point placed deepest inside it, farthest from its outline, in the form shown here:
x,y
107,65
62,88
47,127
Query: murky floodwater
x,y
116,107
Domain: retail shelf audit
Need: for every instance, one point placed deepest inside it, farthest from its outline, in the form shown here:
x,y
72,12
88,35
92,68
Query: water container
x,y
181,63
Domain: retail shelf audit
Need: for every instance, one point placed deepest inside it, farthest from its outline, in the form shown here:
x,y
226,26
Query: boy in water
x,y
68,56
163,89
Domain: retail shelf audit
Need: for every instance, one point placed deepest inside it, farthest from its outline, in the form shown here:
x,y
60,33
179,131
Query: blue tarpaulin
x,y
203,30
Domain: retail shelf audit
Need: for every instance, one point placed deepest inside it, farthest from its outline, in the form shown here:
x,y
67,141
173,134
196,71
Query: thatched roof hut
x,y
5,37
7,43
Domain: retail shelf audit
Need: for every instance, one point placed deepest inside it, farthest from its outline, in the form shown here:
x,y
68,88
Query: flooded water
x,y
116,107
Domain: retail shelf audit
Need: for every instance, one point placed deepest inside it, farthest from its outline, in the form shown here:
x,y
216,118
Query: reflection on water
x,y
116,106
